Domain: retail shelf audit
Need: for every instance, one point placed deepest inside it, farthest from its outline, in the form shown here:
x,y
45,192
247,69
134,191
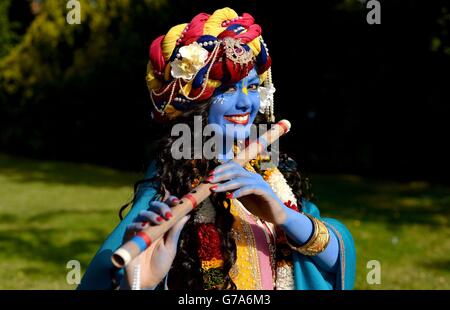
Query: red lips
x,y
241,119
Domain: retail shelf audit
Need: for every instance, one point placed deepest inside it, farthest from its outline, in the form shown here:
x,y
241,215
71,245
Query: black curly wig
x,y
179,176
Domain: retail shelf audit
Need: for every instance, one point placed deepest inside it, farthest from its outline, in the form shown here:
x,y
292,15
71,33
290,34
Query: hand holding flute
x,y
148,240
156,260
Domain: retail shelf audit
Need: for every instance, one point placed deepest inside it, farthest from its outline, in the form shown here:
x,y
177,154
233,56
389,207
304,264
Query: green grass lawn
x,y
53,212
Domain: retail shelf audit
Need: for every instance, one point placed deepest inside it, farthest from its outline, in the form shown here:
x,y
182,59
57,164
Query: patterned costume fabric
x,y
101,274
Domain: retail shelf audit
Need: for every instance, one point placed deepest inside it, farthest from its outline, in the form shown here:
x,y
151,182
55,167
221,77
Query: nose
x,y
243,101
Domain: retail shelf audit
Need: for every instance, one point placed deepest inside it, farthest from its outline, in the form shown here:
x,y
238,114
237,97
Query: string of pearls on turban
x,y
193,59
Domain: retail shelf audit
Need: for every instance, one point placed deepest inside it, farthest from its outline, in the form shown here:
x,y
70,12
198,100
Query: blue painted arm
x,y
232,177
299,228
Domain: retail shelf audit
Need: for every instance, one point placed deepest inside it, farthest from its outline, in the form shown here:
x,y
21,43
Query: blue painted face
x,y
235,106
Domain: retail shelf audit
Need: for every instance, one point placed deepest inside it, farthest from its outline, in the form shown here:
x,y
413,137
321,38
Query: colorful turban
x,y
189,62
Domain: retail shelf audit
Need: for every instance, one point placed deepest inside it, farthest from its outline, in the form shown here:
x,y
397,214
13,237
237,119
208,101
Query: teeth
x,y
238,119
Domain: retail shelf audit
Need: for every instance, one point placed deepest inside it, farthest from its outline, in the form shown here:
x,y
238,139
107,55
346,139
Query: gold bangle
x,y
318,241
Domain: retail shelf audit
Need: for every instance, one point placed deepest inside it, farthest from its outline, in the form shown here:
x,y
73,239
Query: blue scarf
x,y
307,275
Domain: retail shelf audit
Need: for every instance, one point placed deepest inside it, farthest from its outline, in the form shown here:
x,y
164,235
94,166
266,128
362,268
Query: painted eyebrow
x,y
253,80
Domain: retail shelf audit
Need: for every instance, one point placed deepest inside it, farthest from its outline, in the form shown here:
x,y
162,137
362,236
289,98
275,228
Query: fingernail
x,y
144,223
209,179
229,195
211,172
213,188
175,200
159,219
168,215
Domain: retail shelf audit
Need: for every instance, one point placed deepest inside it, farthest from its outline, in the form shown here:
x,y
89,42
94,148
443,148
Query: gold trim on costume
x,y
341,254
245,273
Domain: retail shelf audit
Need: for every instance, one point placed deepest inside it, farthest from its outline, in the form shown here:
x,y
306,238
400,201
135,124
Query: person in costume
x,y
258,229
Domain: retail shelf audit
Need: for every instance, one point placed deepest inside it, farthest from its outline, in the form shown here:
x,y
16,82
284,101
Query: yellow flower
x,y
192,59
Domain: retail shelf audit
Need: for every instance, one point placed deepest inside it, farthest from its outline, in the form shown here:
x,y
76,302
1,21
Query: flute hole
x,y
118,261
193,191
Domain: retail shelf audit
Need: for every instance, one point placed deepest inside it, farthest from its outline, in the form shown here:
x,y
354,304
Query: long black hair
x,y
180,176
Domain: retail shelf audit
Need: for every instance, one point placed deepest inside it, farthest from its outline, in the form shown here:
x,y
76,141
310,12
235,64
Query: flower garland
x,y
210,256
209,251
279,185
284,267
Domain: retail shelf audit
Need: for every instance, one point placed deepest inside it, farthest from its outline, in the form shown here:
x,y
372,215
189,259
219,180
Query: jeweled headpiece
x,y
189,62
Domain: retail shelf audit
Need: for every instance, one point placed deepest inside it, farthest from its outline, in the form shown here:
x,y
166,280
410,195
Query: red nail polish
x,y
211,172
168,215
159,219
209,179
229,195
143,224
213,188
176,200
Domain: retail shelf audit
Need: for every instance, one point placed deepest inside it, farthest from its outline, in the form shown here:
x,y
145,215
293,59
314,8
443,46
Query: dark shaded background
x,y
365,99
